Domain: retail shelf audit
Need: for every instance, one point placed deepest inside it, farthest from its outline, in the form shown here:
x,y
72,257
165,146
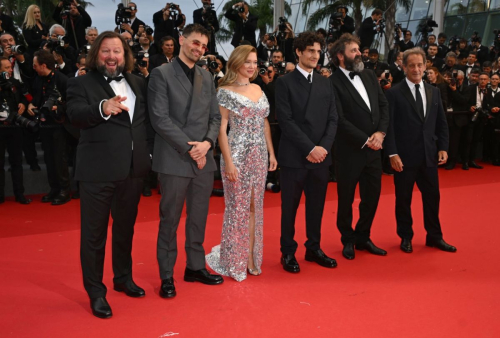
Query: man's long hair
x,y
93,55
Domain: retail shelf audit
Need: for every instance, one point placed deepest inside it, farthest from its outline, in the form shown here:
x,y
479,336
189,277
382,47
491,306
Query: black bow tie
x,y
353,74
117,79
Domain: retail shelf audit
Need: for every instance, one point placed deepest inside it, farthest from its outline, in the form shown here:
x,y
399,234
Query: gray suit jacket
x,y
181,112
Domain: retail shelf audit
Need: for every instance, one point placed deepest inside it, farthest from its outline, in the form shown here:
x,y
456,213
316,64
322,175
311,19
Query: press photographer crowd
x,y
37,60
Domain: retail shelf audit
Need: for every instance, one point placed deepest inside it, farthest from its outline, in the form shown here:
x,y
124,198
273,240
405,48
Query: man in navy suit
x,y
417,140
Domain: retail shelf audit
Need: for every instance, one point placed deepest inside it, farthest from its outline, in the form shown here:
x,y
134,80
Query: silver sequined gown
x,y
247,145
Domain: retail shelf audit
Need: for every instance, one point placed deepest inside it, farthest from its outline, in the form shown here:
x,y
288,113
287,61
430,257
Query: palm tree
x,y
264,9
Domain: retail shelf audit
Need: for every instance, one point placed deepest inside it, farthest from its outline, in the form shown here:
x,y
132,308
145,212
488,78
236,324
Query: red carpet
x,y
424,294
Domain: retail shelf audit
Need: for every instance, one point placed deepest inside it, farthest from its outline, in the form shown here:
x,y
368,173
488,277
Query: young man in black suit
x,y
363,121
109,105
370,27
307,116
417,141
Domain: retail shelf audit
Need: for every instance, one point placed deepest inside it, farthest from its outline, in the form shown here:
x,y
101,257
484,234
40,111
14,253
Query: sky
x,y
103,14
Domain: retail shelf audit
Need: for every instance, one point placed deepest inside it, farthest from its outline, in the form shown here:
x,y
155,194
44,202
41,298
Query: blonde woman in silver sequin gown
x,y
246,152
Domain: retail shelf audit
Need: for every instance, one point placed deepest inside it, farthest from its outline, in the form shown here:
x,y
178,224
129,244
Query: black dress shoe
x,y
496,163
450,166
35,167
465,166
474,165
130,288
167,289
406,245
100,307
202,276
371,248
49,197
319,257
441,245
23,200
146,191
62,198
348,251
289,263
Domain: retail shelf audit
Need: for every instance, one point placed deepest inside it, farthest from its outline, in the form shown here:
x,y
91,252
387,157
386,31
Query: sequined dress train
x,y
247,145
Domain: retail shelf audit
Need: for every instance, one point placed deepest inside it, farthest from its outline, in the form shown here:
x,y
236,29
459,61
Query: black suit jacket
x,y
135,25
242,30
367,32
75,28
307,116
356,121
108,148
411,136
397,73
198,18
405,46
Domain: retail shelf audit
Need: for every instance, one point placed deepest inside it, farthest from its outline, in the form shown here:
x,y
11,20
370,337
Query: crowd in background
x,y
36,61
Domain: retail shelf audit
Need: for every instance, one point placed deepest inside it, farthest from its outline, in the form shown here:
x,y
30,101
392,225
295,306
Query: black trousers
x,y
98,200
11,139
55,154
314,183
366,169
428,184
29,148
473,135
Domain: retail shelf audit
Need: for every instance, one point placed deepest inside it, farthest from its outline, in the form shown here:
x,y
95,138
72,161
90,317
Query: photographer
x,y
81,62
370,27
167,44
373,62
207,17
404,42
495,155
133,26
165,21
284,38
21,61
450,63
432,52
266,47
64,54
442,48
49,90
396,69
11,135
482,52
473,77
141,64
346,22
245,24
91,34
384,78
74,19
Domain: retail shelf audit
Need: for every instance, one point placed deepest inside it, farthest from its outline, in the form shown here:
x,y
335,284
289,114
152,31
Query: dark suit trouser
x,y
454,132
174,191
29,148
11,139
314,183
55,154
98,199
366,169
473,137
428,184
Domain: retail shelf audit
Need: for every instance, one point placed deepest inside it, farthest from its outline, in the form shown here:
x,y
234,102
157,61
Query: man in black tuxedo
x,y
418,140
109,105
369,28
363,121
405,42
207,17
245,24
307,116
432,55
396,69
347,23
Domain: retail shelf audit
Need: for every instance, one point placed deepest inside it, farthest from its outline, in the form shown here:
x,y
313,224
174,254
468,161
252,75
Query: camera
x,y
173,10
212,65
139,59
280,68
19,49
57,45
86,49
148,30
66,7
135,47
122,15
335,21
9,117
239,9
385,80
209,15
263,65
55,99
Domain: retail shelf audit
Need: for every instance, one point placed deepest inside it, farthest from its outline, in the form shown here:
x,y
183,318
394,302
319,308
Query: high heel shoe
x,y
253,272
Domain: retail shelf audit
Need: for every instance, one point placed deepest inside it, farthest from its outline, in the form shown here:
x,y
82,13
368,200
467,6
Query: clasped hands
x,y
198,152
317,155
375,141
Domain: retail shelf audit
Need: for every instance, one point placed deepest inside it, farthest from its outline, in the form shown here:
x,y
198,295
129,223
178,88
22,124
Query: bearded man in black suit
x,y
109,105
418,140
363,122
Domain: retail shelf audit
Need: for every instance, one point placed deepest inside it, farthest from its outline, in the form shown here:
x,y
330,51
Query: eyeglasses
x,y
198,44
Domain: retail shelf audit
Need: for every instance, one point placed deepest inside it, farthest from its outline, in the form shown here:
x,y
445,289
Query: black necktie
x,y
309,78
419,101
353,74
117,79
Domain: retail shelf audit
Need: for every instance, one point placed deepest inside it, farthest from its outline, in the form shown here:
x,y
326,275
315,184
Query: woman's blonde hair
x,y
29,17
237,59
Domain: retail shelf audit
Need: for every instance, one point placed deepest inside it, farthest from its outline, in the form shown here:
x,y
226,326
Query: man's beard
x,y
355,64
101,68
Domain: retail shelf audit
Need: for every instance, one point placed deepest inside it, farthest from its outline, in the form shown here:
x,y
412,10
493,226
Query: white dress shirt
x,y
360,87
122,88
305,73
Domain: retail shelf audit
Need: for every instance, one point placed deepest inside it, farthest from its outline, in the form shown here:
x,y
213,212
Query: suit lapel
x,y
301,79
124,117
352,90
197,85
181,77
428,97
409,96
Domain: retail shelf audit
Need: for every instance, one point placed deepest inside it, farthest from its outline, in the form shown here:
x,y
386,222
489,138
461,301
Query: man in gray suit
x,y
185,115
